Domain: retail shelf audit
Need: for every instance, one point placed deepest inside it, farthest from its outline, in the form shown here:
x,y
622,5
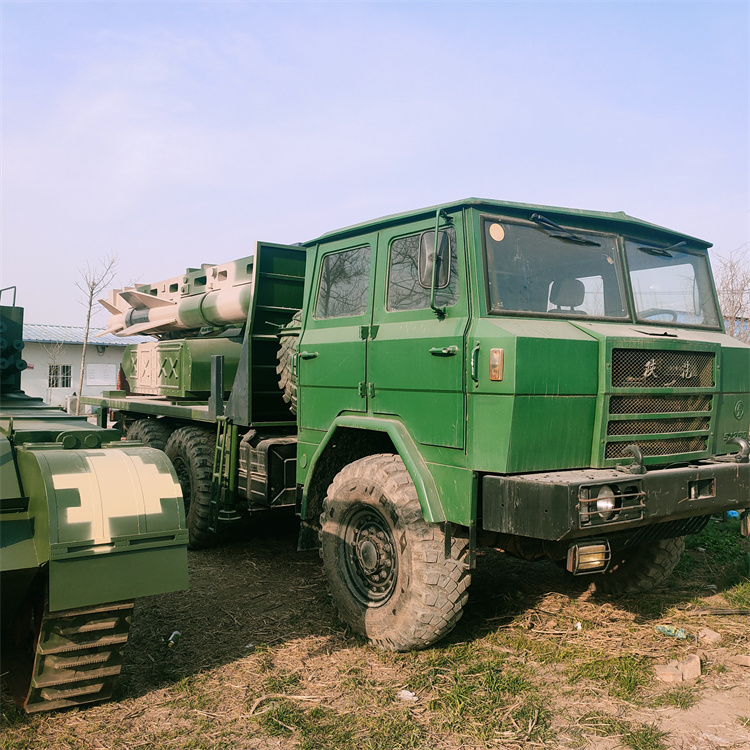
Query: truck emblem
x,y
688,371
650,370
739,409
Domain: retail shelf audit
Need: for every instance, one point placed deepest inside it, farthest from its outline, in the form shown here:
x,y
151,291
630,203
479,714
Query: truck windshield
x,y
671,285
545,270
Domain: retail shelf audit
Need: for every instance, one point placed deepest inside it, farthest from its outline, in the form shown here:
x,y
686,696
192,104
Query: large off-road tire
x,y
191,450
386,566
151,432
285,355
637,569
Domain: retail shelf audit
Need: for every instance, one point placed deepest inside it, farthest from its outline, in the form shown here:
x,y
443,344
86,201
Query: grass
x,y
517,672
718,556
637,736
624,675
683,696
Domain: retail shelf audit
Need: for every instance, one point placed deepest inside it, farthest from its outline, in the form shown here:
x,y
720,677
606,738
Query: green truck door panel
x,y
331,361
415,360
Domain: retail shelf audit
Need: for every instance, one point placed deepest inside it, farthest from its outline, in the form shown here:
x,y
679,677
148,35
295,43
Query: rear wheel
x,y
642,568
191,450
151,432
386,566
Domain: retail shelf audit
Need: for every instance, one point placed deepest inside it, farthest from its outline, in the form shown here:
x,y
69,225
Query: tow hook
x,y
742,457
636,465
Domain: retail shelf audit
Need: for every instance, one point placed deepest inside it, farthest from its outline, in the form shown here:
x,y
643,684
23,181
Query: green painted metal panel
x,y
732,420
85,581
415,359
332,350
10,489
734,375
457,490
427,491
17,543
550,432
490,420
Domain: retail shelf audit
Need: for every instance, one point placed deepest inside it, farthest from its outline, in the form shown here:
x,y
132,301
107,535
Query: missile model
x,y
209,296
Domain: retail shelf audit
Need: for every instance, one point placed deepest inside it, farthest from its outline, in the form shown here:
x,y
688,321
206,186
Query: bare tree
x,y
94,279
54,351
733,287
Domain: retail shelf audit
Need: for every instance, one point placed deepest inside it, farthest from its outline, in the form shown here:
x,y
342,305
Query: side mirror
x,y
427,259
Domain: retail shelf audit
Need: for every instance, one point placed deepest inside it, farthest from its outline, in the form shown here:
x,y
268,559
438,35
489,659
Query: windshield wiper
x,y
662,251
555,230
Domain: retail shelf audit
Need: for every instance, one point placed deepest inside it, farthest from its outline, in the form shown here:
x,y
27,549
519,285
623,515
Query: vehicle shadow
x,y
258,591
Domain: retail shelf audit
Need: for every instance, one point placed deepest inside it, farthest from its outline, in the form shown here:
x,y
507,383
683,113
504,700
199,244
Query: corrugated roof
x,y
35,332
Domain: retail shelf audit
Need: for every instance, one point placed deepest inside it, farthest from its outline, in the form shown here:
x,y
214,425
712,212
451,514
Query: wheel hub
x,y
371,559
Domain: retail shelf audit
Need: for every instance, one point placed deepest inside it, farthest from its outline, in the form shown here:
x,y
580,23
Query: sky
x,y
178,133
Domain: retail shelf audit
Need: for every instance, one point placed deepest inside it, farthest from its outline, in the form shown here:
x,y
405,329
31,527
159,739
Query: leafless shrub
x,y
94,279
733,287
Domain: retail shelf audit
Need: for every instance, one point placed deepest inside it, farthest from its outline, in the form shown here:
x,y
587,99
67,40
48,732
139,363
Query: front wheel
x,y
638,569
191,450
386,566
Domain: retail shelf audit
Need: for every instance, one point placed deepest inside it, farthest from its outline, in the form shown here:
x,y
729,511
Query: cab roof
x,y
617,221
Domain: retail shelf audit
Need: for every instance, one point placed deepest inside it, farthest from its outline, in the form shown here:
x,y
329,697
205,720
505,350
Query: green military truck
x,y
554,383
87,524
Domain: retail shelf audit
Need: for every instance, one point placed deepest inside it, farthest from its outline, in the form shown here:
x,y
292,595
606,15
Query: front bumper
x,y
559,506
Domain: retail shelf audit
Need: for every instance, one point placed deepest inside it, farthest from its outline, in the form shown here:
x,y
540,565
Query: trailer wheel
x,y
191,450
386,566
287,349
641,568
151,432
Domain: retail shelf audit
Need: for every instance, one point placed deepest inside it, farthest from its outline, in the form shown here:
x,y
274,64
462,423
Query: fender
x,y
109,522
429,498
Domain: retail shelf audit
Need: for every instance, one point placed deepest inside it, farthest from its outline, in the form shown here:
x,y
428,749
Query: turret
x,y
11,345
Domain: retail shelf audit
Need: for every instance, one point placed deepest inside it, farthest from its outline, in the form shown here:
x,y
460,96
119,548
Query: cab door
x,y
332,354
415,359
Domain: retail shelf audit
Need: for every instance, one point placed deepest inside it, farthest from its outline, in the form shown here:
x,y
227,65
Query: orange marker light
x,y
496,364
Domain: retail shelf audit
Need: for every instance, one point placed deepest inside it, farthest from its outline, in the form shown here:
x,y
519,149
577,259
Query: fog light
x,y
588,558
605,503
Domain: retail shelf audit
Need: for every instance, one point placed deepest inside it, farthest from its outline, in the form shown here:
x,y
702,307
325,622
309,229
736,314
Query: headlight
x,y
605,503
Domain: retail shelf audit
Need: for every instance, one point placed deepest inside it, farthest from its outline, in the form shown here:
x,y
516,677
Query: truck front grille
x,y
672,424
654,368
658,404
662,447
657,426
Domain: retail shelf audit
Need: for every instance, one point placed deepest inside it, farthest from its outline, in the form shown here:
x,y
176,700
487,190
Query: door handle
x,y
444,351
475,363
308,355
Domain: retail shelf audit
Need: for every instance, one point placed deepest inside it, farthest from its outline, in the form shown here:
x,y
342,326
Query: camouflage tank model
x,y
87,524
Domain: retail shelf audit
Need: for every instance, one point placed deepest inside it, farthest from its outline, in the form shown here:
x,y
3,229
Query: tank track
x,y
78,656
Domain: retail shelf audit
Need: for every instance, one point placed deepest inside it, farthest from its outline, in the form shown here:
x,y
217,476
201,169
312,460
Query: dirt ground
x,y
262,662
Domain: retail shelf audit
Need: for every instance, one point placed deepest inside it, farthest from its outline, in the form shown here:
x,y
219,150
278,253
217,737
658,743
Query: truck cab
x,y
556,383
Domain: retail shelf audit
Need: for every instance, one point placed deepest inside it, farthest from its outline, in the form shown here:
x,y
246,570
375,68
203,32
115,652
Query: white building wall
x,y
102,366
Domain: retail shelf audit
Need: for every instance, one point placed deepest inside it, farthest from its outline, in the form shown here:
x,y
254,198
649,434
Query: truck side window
x,y
405,292
344,284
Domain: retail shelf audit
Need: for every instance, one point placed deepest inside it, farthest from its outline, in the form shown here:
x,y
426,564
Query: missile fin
x,y
109,308
140,300
146,327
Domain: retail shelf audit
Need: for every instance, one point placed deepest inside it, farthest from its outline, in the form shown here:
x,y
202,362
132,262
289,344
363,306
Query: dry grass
x,y
537,661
